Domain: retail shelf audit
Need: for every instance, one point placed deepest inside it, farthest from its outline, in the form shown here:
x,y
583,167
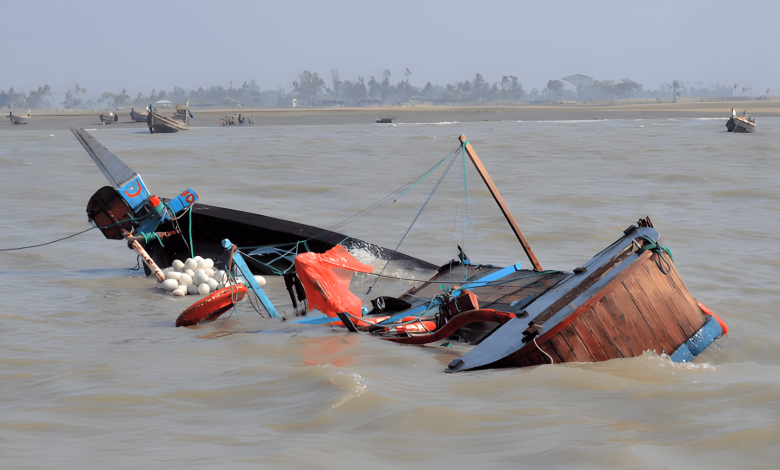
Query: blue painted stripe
x,y
704,337
315,320
683,354
407,313
698,342
250,279
489,278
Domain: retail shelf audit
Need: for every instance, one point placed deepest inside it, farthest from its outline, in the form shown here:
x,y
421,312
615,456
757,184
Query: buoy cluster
x,y
194,276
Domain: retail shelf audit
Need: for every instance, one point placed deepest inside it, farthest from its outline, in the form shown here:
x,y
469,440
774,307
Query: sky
x,y
143,45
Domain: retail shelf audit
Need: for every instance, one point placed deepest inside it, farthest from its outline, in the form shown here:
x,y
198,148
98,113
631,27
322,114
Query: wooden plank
x,y
576,344
600,335
649,336
501,204
590,339
621,304
693,313
617,331
668,332
562,348
659,293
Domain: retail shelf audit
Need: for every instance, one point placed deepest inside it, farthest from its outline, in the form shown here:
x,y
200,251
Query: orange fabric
x,y
326,277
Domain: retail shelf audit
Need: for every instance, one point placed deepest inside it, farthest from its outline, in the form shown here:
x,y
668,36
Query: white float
x,y
180,291
170,284
192,289
173,275
185,279
260,280
204,289
200,277
191,264
177,265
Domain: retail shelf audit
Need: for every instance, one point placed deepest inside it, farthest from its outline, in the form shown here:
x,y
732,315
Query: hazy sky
x,y
140,45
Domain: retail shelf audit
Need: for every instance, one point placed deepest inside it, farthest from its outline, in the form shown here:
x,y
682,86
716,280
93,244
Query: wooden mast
x,y
500,200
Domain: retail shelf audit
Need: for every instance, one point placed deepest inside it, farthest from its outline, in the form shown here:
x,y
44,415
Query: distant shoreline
x,y
49,119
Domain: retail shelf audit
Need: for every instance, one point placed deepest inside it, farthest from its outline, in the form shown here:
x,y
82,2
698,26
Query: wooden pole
x,y
500,200
144,256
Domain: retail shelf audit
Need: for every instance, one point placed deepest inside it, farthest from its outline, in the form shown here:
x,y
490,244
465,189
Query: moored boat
x,y
136,116
16,119
159,124
107,119
743,124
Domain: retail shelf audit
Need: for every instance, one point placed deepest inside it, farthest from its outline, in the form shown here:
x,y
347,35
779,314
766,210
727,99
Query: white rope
x,y
540,349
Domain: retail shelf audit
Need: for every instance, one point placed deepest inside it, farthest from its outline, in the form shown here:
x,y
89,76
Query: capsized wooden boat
x,y
744,123
626,300
136,116
16,119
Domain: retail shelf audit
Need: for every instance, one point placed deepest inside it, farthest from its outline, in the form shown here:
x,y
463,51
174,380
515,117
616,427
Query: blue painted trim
x,y
489,278
683,354
406,313
699,341
250,279
319,319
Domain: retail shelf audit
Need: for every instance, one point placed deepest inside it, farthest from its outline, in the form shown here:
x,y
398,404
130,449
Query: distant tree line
x,y
311,90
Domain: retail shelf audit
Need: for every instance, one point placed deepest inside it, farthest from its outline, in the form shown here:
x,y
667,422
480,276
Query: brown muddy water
x,y
95,375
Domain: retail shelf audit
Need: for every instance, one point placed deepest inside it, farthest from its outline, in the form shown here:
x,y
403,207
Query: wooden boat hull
x,y
162,125
621,305
18,120
137,117
106,119
736,124
211,224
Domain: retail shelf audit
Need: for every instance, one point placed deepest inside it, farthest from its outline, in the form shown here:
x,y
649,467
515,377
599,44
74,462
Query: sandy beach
x,y
50,119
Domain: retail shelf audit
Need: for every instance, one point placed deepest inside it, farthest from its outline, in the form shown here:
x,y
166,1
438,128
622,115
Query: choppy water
x,y
93,373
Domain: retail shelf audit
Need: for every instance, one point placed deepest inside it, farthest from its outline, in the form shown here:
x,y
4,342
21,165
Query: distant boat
x,y
159,124
742,123
385,120
18,119
108,119
136,116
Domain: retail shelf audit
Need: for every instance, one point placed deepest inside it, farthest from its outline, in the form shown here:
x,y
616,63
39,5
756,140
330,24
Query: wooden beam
x,y
501,204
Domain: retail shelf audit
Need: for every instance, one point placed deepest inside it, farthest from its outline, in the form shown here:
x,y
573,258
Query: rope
x,y
453,154
663,264
151,236
79,233
540,349
192,247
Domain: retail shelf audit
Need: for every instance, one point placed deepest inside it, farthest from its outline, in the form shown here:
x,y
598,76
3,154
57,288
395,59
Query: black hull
x,y
137,117
106,119
211,225
737,125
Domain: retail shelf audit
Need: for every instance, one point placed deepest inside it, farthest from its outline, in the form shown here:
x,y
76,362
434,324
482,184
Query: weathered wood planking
x,y
641,310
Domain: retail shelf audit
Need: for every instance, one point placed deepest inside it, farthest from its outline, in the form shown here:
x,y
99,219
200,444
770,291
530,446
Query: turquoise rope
x,y
151,236
192,247
661,250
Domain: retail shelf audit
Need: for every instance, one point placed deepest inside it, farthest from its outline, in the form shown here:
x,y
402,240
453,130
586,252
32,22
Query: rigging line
x,y
397,194
48,243
454,155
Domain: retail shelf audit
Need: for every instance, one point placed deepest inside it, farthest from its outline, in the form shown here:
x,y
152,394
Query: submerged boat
x,y
742,123
626,300
159,124
136,116
270,244
107,119
16,119
385,120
